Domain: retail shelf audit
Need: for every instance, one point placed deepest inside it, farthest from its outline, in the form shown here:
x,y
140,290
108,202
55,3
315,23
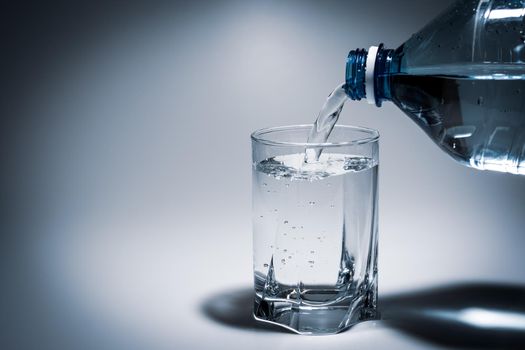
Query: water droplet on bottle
x,y
293,227
265,184
332,206
271,246
318,237
268,191
285,234
266,265
311,203
275,210
261,216
285,250
480,100
289,256
302,227
311,262
312,251
283,261
285,221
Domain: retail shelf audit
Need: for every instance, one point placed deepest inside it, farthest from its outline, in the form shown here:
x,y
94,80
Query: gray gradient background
x,y
126,170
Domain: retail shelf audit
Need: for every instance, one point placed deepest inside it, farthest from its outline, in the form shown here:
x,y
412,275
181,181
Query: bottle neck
x,y
368,73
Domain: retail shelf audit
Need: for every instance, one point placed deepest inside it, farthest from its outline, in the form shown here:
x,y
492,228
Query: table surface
x,y
175,285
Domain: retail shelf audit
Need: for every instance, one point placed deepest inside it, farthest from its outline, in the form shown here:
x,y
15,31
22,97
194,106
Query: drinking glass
x,y
315,228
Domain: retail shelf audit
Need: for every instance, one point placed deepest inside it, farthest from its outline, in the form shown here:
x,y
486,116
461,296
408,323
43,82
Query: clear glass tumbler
x,y
315,228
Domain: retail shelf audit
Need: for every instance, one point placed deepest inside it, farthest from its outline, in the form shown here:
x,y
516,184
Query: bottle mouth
x,y
360,79
355,74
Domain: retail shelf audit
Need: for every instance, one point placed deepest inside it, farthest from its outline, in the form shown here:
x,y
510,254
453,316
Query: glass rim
x,y
257,136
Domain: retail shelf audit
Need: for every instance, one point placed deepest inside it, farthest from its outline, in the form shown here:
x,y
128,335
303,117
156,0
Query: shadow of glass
x,y
235,309
481,316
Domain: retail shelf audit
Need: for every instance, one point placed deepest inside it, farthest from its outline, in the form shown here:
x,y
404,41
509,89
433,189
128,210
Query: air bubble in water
x,y
480,100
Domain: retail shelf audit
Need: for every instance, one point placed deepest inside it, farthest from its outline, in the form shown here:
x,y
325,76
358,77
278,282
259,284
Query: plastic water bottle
x,y
461,79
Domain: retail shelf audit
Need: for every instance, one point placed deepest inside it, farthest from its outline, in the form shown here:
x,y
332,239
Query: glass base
x,y
316,320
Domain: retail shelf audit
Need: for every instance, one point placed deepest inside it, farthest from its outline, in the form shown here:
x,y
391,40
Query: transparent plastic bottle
x,y
461,79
